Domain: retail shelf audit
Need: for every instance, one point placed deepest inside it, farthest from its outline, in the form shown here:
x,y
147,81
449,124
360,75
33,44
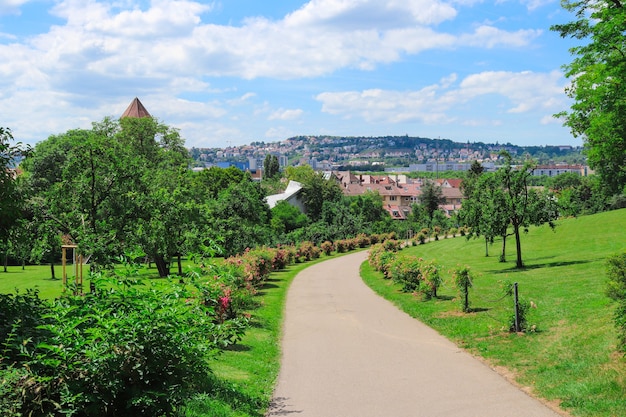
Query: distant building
x,y
554,170
291,195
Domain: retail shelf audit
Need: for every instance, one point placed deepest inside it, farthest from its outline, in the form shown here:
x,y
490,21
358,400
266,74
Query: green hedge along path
x,y
346,352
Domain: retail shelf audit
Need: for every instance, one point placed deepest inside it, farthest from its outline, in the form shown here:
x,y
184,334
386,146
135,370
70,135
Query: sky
x,y
233,72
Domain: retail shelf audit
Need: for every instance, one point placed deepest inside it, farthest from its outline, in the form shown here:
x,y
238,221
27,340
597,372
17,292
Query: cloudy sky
x,y
236,71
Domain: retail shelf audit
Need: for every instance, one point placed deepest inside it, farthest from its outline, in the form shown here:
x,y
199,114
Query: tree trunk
x,y
6,256
503,254
162,266
180,266
518,246
52,270
486,247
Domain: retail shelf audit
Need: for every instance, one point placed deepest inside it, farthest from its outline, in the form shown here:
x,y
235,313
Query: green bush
x,y
431,278
327,247
130,348
406,270
463,281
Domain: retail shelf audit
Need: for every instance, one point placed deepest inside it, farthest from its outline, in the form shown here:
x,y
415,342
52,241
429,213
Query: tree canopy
x,y
598,85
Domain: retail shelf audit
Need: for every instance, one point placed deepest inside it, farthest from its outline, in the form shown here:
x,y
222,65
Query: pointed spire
x,y
135,109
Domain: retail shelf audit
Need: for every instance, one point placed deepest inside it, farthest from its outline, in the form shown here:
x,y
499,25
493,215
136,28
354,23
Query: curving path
x,y
349,353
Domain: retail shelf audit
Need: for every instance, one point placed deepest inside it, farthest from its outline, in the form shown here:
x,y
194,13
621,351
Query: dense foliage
x,y
597,74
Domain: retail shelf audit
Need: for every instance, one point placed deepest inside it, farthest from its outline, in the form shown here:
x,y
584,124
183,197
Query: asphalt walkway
x,y
349,353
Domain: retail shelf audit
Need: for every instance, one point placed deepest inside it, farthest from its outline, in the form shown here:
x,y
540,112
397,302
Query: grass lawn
x,y
571,359
39,277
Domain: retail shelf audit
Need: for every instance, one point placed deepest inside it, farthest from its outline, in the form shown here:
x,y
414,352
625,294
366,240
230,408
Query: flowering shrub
x,y
392,245
307,251
341,246
362,240
406,270
381,259
431,277
463,281
282,257
327,247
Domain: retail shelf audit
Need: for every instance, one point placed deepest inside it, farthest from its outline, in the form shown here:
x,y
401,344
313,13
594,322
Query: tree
x,y
482,210
315,191
10,198
240,217
271,167
598,79
369,207
431,198
114,186
523,207
286,218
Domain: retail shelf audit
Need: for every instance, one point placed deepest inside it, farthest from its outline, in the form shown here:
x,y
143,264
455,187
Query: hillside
x,y
570,358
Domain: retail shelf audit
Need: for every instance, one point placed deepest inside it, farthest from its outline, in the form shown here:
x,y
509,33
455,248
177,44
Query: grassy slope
x,y
571,359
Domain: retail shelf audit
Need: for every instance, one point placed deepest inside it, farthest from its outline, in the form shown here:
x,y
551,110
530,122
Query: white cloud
x,y
8,7
289,114
489,37
519,92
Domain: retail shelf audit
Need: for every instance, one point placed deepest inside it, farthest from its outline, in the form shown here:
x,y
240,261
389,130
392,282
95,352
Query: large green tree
x,y
10,198
598,84
111,187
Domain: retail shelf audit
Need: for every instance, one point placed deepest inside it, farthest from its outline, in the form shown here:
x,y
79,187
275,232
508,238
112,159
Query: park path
x,y
349,353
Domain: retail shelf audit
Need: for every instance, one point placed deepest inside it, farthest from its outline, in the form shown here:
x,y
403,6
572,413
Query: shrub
x,y
362,240
453,231
381,259
130,348
406,271
307,251
616,289
431,278
421,238
463,281
327,247
282,257
392,245
341,246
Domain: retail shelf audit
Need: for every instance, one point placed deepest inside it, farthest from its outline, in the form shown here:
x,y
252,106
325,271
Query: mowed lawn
x,y
571,358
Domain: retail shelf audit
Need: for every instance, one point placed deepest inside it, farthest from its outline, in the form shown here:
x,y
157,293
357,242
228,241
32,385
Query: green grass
x,y
39,277
571,359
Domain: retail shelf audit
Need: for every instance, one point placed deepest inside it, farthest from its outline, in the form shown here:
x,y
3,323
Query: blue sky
x,y
236,71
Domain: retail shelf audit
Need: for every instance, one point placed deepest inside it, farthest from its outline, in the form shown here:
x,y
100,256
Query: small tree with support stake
x,y
77,260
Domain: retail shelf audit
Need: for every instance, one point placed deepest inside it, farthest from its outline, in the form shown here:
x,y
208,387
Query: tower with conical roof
x,y
135,109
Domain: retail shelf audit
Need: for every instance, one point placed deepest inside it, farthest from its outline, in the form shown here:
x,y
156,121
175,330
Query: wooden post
x,y
517,323
78,266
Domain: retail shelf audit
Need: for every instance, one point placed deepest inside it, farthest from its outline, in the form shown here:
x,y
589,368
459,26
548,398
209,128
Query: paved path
x,y
349,353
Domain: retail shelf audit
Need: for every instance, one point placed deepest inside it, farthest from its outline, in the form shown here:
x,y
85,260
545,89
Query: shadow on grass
x,y
237,347
222,396
529,267
478,309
